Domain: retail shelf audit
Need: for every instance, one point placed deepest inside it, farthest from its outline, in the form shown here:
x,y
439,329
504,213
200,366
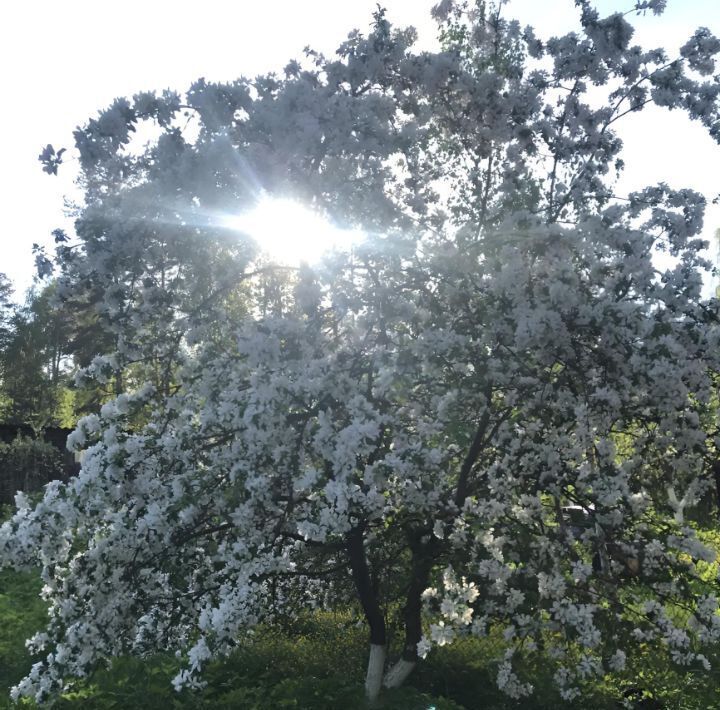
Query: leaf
x,y
59,235
50,159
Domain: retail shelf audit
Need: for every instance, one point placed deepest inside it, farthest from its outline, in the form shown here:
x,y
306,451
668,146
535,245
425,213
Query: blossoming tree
x,y
497,412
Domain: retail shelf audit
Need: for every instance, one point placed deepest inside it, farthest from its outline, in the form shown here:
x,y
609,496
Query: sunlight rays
x,y
289,232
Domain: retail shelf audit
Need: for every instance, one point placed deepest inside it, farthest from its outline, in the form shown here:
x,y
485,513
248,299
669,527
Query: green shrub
x,y
27,465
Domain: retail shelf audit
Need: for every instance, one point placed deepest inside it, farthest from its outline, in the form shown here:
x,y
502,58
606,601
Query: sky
x,y
63,61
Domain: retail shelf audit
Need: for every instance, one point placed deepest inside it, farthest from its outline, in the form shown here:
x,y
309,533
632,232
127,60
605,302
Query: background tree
x,y
413,423
43,344
6,291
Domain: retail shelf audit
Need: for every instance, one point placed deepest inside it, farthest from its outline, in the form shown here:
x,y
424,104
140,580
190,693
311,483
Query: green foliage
x,y
26,465
303,665
312,664
651,676
66,412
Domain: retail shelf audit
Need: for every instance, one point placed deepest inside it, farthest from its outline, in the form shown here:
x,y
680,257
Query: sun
x,y
289,232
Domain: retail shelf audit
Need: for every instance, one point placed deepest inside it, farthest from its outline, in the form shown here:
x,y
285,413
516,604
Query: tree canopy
x,y
498,411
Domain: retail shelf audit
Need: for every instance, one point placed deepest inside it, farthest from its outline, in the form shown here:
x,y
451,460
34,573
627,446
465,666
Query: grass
x,y
22,613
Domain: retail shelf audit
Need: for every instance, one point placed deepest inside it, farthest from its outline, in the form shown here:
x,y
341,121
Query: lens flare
x,y
290,233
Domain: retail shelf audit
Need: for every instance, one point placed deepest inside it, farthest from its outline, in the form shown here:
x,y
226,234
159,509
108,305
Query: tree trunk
x,y
399,673
375,670
373,612
422,558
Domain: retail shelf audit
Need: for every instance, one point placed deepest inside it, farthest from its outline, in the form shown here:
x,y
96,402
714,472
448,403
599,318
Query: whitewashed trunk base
x,y
398,674
375,668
